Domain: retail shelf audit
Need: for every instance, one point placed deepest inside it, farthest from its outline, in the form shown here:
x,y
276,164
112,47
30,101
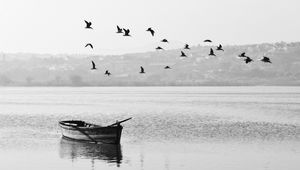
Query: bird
x,y
207,41
248,60
89,44
182,54
220,48
159,48
243,54
142,70
211,52
119,30
126,32
151,31
107,73
167,67
94,66
265,59
88,24
186,46
165,40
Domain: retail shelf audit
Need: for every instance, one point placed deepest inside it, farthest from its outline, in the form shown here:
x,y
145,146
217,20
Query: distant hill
x,y
197,69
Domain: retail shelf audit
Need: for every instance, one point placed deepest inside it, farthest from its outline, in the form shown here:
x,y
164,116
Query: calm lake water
x,y
216,128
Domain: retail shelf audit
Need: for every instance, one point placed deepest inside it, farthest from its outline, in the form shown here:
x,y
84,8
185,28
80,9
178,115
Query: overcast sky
x,y
57,26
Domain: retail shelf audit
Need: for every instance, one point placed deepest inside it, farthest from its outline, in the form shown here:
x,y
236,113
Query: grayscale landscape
x,y
150,85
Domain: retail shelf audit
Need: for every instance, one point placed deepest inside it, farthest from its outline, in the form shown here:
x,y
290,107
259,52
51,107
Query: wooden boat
x,y
87,132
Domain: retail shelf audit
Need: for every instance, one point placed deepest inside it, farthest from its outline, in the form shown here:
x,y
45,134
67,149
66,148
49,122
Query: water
x,y
172,127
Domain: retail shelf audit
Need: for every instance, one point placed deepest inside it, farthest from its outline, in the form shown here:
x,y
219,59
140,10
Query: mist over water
x,y
172,127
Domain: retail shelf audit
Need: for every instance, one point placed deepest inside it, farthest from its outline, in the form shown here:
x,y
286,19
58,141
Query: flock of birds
x,y
126,32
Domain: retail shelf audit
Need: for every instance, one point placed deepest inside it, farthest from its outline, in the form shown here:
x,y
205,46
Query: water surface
x,y
172,127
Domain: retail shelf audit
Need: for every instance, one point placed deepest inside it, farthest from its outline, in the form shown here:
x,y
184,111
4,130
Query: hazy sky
x,y
57,26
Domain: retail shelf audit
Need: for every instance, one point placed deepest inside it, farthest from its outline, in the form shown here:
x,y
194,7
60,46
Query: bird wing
x,y
266,59
142,69
248,59
126,31
89,44
88,24
94,65
182,53
152,32
118,28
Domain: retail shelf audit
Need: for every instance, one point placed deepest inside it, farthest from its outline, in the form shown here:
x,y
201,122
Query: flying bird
x,y
165,40
126,32
208,41
265,59
119,30
151,31
159,48
182,54
167,67
93,66
142,70
248,60
89,44
242,55
88,24
220,48
211,53
107,73
186,46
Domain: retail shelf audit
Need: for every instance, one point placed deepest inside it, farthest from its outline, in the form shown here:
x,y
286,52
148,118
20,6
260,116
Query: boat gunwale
x,y
63,125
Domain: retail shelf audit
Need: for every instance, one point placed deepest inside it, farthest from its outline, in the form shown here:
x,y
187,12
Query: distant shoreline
x,y
197,69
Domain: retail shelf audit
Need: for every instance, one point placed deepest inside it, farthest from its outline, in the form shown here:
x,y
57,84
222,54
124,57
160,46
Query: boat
x,y
87,132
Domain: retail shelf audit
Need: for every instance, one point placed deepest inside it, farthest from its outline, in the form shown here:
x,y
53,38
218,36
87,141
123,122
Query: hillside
x,y
197,69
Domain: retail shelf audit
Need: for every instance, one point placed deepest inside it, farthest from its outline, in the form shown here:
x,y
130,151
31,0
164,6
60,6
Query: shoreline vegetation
x,y
197,69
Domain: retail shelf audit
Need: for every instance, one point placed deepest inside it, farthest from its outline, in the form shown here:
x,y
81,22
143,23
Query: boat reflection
x,y
110,153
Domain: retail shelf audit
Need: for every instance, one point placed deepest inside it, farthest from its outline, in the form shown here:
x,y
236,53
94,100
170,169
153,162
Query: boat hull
x,y
110,134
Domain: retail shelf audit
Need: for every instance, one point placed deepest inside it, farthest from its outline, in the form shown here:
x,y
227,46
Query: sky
x,y
57,26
